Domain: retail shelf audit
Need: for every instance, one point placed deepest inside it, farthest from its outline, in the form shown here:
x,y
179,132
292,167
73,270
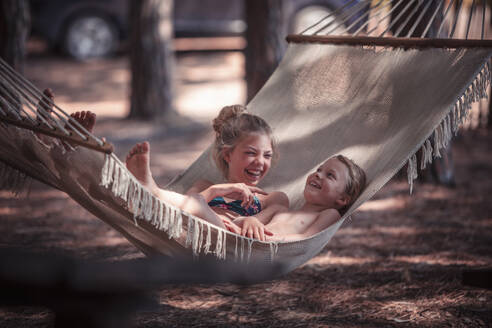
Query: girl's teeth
x,y
253,172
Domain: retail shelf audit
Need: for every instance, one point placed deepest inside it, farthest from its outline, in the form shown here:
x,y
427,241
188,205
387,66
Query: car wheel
x,y
309,16
90,36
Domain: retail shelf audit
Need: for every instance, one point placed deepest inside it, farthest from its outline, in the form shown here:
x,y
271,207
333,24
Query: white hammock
x,y
376,106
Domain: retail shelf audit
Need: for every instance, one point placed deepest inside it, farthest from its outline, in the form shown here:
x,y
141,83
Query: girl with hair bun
x,y
244,150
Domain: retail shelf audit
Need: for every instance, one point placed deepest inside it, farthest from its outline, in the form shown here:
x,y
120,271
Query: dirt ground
x,y
397,263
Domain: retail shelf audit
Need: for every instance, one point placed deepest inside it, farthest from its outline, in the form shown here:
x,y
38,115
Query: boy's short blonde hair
x,y
356,182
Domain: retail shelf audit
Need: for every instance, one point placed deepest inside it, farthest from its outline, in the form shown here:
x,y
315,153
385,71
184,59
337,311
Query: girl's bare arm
x,y
239,191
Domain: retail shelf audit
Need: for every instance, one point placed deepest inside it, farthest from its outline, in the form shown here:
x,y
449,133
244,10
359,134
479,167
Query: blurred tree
x,y
151,58
441,170
14,28
265,39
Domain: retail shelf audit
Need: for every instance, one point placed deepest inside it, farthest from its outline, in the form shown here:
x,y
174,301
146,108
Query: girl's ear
x,y
227,155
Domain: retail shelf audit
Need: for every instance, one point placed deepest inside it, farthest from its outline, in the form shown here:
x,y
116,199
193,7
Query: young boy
x,y
328,193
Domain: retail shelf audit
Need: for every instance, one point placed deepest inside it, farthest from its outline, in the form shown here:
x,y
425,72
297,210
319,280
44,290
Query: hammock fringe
x,y
13,180
450,124
168,218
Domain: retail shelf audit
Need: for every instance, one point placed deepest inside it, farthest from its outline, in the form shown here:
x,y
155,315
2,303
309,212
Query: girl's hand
x,y
237,191
253,228
231,226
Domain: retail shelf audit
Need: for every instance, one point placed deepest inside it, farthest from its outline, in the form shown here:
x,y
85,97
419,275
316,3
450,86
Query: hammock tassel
x,y
273,250
12,179
167,218
124,185
189,235
156,221
171,222
437,143
149,208
135,202
224,244
178,224
455,116
221,244
116,180
235,249
197,236
208,240
426,154
423,152
110,171
412,171
104,171
250,247
242,249
144,203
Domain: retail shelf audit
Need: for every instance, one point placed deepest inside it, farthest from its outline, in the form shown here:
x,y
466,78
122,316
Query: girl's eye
x,y
268,156
250,153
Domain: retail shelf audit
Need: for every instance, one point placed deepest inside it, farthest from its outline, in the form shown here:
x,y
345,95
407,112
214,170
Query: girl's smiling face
x,y
250,160
326,186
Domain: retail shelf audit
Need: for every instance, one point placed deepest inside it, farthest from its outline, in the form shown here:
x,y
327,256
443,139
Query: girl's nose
x,y
259,160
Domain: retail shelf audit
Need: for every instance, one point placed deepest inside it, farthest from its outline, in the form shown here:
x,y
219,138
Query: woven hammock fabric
x,y
376,106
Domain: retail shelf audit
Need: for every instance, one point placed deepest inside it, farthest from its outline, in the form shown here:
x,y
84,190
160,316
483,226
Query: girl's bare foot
x,y
85,118
138,163
45,105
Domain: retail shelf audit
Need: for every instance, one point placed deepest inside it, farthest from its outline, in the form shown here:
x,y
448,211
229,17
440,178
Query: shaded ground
x,y
397,263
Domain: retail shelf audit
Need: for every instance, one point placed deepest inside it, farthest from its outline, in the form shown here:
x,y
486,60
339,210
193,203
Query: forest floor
x,y
397,263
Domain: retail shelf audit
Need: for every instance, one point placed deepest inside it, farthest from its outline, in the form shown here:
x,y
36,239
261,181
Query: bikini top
x,y
235,206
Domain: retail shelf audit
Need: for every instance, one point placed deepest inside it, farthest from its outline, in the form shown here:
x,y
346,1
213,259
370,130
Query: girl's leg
x,y
194,204
138,163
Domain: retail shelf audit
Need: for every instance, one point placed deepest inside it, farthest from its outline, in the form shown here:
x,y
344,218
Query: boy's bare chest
x,y
293,222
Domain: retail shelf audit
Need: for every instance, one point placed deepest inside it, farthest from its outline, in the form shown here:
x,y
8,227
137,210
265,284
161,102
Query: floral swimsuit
x,y
235,206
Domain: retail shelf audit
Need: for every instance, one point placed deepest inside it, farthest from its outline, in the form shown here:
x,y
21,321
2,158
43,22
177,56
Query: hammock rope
x,y
18,93
351,14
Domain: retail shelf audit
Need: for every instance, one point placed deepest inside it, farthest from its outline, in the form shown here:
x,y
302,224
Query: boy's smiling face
x,y
326,186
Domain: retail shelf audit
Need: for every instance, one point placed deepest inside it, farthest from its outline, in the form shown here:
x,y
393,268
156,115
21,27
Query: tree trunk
x,y
151,58
14,28
265,38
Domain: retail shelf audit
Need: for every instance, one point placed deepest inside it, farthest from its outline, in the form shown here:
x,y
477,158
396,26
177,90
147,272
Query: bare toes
x,y
49,93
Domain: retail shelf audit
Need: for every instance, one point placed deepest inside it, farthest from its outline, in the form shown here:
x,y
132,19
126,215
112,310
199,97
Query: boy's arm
x,y
265,216
323,221
254,226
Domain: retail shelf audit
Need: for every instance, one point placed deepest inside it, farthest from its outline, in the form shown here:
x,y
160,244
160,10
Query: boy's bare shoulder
x,y
330,213
276,198
328,217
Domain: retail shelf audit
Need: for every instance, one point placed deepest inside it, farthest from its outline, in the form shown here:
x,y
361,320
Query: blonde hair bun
x,y
227,114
